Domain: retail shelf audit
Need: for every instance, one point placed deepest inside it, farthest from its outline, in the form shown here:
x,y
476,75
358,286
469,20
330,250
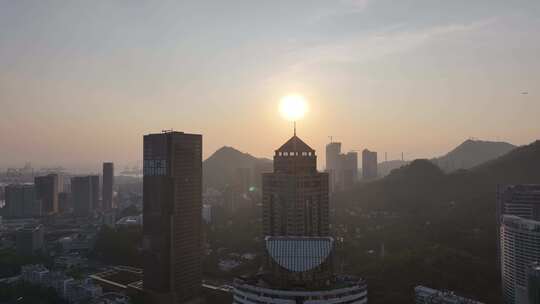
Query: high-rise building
x,y
172,208
426,295
47,191
107,188
29,240
520,246
21,201
84,194
296,234
518,200
533,282
348,170
64,202
369,164
96,205
333,151
295,195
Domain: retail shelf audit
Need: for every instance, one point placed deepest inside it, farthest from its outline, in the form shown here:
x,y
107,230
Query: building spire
x,y
295,128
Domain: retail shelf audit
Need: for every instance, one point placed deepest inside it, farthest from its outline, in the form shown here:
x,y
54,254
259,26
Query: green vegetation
x,y
11,262
118,246
437,229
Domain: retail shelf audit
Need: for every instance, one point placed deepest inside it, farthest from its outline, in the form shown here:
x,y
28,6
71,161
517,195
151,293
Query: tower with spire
x,y
299,249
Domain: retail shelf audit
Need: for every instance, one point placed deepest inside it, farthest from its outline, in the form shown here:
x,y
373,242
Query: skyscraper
x,y
533,282
348,170
29,240
295,195
94,179
47,191
333,150
518,200
172,206
107,188
296,234
369,164
520,246
84,194
21,201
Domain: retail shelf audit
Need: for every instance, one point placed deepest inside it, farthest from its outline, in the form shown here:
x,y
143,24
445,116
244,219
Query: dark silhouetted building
x,y
95,192
21,201
172,207
348,173
84,194
29,240
107,188
47,191
296,234
333,151
295,195
533,282
518,200
64,202
369,164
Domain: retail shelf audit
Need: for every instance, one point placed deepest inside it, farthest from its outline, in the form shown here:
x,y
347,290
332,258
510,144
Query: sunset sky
x,y
82,81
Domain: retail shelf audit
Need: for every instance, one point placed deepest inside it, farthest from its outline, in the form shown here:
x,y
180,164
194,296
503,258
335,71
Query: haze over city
x,y
81,82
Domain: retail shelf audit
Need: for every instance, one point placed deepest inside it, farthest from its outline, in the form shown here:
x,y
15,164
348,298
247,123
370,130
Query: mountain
x,y
438,229
384,168
472,153
221,168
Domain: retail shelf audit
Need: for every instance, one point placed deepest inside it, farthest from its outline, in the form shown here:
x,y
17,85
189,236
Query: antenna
x,y
402,156
331,138
295,128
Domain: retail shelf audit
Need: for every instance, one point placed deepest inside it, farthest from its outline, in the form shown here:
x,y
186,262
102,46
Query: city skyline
x,y
414,77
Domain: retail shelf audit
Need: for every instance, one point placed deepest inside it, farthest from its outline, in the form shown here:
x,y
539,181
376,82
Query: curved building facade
x,y
520,246
348,290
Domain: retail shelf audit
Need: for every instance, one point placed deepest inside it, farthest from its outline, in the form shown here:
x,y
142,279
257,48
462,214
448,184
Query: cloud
x,y
376,44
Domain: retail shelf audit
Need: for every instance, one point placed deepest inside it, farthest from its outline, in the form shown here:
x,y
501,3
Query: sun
x,y
293,107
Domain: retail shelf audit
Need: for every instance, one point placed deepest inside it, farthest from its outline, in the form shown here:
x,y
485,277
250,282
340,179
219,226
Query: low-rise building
x,y
426,295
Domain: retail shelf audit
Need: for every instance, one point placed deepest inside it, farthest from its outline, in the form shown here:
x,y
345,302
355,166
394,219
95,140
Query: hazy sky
x,y
82,81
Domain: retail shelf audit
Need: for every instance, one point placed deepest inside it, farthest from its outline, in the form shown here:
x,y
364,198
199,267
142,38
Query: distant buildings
x,y
333,150
243,180
107,189
369,164
29,240
342,168
64,202
21,201
296,233
426,295
207,213
172,208
85,194
47,191
74,291
349,170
